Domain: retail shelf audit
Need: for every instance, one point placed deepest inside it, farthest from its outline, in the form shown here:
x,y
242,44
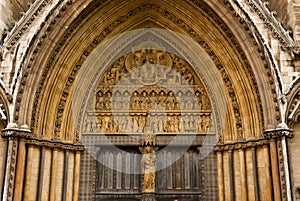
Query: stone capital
x,y
278,133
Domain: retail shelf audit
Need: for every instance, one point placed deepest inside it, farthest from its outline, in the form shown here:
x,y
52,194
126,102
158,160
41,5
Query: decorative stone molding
x,y
241,145
12,154
55,144
96,41
278,32
272,70
180,23
23,24
293,108
1,53
278,133
31,139
16,132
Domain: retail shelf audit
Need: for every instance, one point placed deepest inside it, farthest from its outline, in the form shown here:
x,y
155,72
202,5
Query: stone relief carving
x,y
148,169
158,105
144,67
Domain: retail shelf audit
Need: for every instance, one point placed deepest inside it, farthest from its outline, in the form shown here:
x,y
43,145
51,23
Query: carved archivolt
x,y
293,109
101,37
170,97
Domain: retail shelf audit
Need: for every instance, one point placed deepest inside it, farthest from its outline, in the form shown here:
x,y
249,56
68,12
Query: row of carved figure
x,y
158,124
154,101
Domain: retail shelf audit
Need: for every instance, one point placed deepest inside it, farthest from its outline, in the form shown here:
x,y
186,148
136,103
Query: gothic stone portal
x,y
157,92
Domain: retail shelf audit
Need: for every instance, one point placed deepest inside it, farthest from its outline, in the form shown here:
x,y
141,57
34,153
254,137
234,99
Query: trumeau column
x,y
279,162
34,163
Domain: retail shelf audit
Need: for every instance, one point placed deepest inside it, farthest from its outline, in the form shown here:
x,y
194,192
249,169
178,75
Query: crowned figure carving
x,y
148,160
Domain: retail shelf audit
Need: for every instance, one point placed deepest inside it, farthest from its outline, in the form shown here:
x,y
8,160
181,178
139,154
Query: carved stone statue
x,y
148,169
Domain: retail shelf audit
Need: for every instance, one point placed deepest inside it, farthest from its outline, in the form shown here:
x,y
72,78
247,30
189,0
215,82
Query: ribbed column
x,y
280,171
65,175
37,169
250,179
220,176
275,172
267,173
70,181
244,171
226,174
231,175
41,173
53,175
3,155
286,169
9,169
46,175
59,183
76,176
255,174
21,162
244,192
32,173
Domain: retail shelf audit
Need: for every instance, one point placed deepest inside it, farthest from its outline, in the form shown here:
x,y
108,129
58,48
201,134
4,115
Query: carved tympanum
x,y
149,88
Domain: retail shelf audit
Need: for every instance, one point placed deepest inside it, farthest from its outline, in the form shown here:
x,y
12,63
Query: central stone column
x,y
148,165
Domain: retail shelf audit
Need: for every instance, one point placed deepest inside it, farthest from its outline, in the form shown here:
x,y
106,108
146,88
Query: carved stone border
x,y
54,144
278,32
293,109
49,65
30,139
23,24
109,29
262,48
278,133
241,145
